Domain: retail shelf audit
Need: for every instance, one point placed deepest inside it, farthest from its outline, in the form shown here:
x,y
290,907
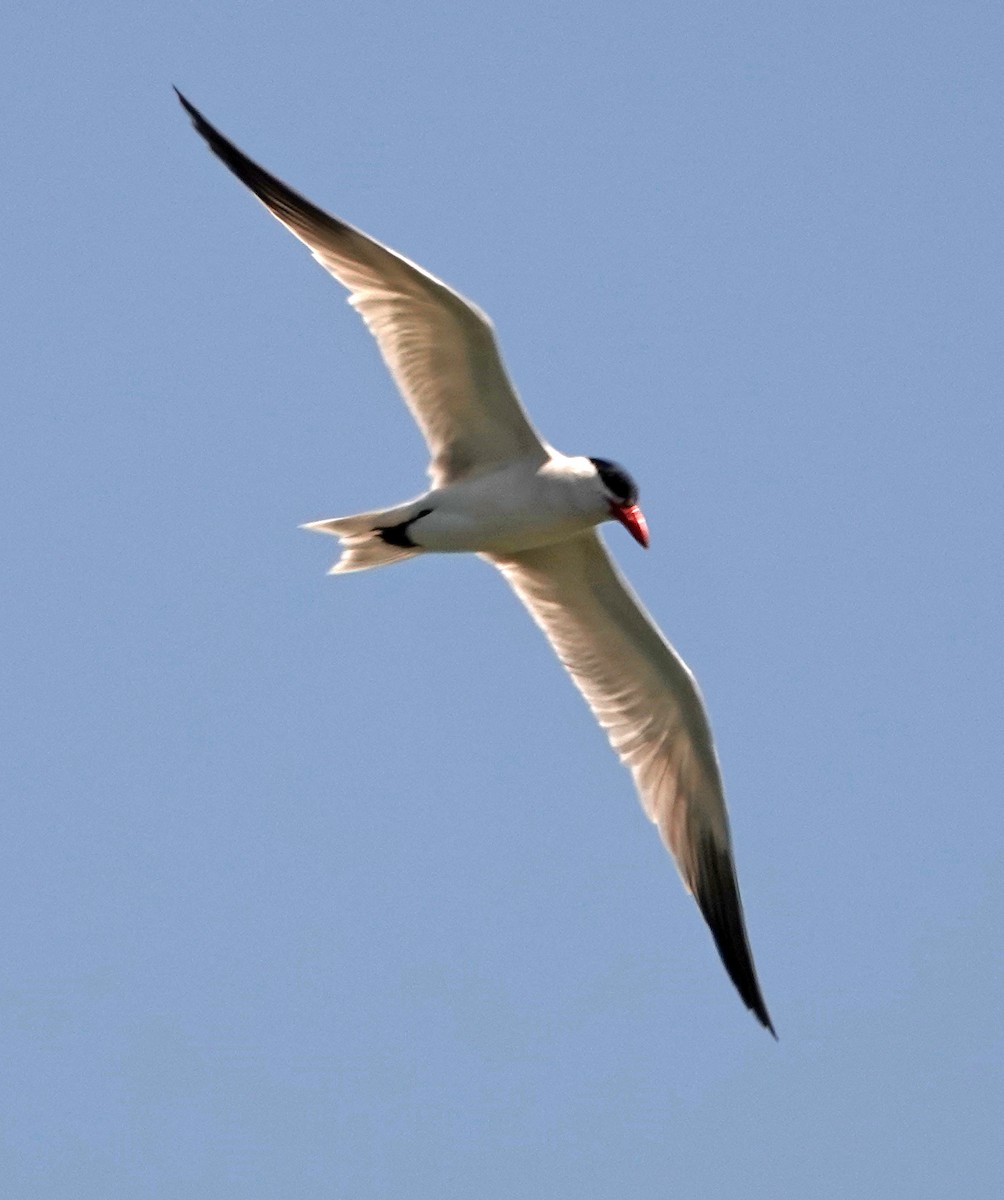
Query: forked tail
x,y
371,539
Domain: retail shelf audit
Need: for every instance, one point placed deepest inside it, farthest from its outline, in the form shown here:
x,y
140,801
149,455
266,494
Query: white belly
x,y
518,508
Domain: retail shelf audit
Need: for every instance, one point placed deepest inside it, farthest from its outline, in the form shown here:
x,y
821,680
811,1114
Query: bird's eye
x,y
616,480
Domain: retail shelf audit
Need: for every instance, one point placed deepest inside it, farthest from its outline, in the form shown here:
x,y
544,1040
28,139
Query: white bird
x,y
499,490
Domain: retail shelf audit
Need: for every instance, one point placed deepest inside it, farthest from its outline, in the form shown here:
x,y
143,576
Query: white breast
x,y
520,507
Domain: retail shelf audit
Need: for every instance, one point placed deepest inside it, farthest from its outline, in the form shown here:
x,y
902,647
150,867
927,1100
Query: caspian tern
x,y
500,491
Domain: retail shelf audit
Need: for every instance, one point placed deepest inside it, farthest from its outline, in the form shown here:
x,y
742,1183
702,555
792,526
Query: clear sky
x,y
331,887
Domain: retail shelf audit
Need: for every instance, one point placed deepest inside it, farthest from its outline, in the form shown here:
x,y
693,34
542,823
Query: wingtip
x,y
202,126
716,891
759,1008
763,1016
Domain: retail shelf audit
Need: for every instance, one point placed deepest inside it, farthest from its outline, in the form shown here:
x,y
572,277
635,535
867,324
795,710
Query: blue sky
x,y
332,888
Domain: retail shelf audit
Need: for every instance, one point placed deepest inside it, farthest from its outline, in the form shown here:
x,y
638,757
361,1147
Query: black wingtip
x,y
717,894
190,108
217,142
185,104
198,120
295,211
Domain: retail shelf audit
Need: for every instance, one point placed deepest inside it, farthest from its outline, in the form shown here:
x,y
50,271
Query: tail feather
x,y
362,545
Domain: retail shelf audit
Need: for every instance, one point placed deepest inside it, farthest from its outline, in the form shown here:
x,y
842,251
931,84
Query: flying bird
x,y
501,491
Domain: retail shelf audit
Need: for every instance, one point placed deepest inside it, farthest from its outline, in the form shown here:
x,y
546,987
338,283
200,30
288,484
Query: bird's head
x,y
621,494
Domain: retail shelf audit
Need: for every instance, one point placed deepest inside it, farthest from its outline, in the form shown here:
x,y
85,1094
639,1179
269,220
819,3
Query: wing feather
x,y
646,699
439,348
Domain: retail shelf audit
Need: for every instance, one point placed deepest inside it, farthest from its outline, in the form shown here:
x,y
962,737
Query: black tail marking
x,y
397,535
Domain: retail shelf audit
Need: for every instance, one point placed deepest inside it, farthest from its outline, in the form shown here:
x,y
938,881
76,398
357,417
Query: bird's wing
x,y
646,699
438,346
